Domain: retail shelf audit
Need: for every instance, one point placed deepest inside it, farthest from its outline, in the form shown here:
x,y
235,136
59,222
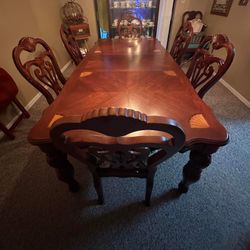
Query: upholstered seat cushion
x,y
8,89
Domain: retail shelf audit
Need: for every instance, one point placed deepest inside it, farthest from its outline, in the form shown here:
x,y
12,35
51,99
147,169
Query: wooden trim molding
x,y
235,92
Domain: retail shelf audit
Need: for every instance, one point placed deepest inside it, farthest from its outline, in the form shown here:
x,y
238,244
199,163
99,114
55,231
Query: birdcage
x,y
72,13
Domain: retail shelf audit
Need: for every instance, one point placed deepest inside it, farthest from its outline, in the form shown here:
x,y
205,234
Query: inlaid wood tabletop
x,y
138,75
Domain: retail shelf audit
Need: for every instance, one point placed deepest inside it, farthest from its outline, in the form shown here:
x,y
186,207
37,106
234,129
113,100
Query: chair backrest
x,y
129,26
41,68
181,42
106,140
206,68
8,88
190,15
71,44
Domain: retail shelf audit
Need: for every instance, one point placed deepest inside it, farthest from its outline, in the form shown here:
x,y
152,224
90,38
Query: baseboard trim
x,y
235,92
33,100
66,65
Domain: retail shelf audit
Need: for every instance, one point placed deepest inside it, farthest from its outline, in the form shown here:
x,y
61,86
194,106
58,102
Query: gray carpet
x,y
38,212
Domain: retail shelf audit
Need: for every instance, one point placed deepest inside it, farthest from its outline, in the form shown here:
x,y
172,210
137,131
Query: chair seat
x,y
193,46
8,90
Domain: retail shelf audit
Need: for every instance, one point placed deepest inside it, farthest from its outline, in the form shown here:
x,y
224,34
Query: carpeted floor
x,y
38,212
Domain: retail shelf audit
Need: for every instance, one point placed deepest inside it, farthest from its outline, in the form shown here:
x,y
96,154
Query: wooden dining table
x,y
142,76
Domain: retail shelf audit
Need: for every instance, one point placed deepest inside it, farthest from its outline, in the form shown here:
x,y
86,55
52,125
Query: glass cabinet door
x,y
110,11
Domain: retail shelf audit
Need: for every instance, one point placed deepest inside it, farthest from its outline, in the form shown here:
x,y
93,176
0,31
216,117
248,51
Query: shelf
x,y
145,26
146,8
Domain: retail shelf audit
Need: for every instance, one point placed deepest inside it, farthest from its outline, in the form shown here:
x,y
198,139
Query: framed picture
x,y
221,7
243,2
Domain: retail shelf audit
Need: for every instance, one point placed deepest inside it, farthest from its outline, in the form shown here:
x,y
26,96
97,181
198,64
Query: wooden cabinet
x,y
108,12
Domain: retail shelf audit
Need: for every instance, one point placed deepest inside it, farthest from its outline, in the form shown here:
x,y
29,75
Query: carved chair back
x,y
40,67
206,68
181,42
190,15
71,44
109,148
129,26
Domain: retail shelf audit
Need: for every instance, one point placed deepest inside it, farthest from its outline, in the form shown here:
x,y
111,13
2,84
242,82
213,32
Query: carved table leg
x,y
199,159
64,170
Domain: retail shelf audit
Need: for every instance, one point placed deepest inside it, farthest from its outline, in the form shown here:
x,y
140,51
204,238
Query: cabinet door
x,y
110,11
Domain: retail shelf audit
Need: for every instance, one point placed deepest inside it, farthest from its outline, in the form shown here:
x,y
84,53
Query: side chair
x,y
181,42
8,92
118,142
71,44
206,67
40,67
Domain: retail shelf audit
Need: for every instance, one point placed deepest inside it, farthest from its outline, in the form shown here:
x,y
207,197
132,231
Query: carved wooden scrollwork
x,y
71,44
123,159
205,68
181,42
42,70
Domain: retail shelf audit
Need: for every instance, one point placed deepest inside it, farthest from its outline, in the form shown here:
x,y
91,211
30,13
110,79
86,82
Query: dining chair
x,y
40,67
118,142
71,44
8,92
207,65
181,42
129,26
194,17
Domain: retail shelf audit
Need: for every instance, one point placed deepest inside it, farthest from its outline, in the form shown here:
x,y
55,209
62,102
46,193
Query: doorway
x,y
166,13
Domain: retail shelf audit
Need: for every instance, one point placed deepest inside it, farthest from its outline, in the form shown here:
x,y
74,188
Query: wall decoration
x,y
221,7
243,2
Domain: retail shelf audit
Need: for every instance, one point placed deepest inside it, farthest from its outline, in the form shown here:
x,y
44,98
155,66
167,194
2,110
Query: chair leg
x,y
7,132
98,187
21,107
149,187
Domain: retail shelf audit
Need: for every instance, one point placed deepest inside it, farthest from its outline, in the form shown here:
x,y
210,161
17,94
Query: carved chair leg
x,y
149,187
199,159
98,187
64,170
21,107
7,132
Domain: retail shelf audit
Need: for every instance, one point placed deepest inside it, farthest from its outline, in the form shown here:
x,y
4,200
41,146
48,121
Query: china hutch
x,y
108,12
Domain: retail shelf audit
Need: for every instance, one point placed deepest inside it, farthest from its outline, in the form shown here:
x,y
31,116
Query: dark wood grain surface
x,y
138,75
